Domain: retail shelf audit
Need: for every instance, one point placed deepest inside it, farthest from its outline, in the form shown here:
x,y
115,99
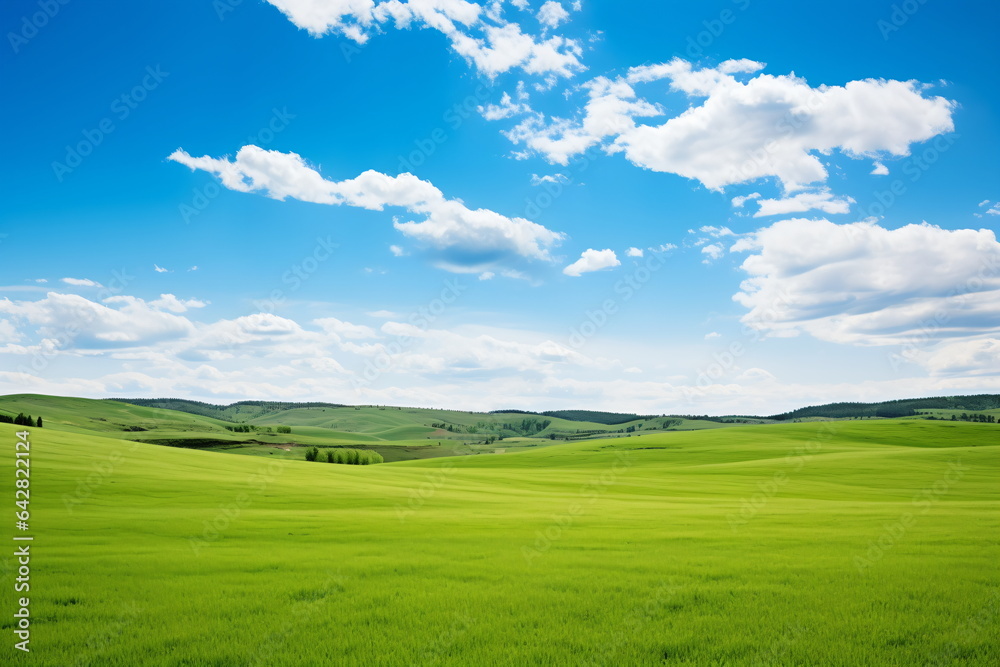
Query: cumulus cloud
x,y
120,321
634,252
820,200
592,260
741,128
169,302
505,109
345,329
739,201
879,169
465,239
863,284
712,252
993,208
611,109
551,14
973,357
479,34
716,232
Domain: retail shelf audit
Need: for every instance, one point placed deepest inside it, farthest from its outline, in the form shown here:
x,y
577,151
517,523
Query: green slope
x,y
742,546
84,415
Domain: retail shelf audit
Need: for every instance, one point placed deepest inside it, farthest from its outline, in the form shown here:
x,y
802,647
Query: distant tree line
x,y
901,408
980,418
253,428
495,430
351,457
21,420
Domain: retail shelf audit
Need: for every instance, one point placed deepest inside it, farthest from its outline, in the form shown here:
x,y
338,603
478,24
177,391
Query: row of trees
x,y
252,428
981,418
21,420
351,457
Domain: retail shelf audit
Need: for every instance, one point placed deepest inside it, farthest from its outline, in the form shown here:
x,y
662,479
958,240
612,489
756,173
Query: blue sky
x,y
722,207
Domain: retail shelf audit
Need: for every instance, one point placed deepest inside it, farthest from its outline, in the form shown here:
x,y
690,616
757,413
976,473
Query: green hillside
x,y
763,545
321,424
898,408
87,415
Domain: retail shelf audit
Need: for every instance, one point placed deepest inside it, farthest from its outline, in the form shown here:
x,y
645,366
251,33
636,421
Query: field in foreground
x,y
818,543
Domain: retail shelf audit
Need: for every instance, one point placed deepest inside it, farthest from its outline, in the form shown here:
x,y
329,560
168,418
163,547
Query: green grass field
x,y
834,543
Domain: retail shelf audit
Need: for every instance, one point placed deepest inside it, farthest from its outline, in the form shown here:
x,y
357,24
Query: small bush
x,y
282,429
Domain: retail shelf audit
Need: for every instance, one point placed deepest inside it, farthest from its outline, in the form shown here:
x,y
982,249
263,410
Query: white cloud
x,y
863,284
81,282
193,268
171,303
482,36
771,126
592,260
879,169
742,131
320,17
8,332
159,269
125,321
972,357
754,375
634,252
984,203
463,239
397,251
548,178
712,252
821,200
505,109
345,329
610,110
739,201
551,14
664,247
487,275
716,232
712,335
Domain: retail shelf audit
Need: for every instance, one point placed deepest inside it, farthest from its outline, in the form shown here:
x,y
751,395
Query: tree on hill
x,y
24,420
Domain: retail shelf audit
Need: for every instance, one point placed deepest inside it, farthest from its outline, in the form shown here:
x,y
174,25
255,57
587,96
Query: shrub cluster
x,y
21,420
353,457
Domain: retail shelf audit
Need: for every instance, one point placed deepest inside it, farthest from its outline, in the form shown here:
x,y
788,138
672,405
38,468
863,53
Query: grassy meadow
x,y
835,543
